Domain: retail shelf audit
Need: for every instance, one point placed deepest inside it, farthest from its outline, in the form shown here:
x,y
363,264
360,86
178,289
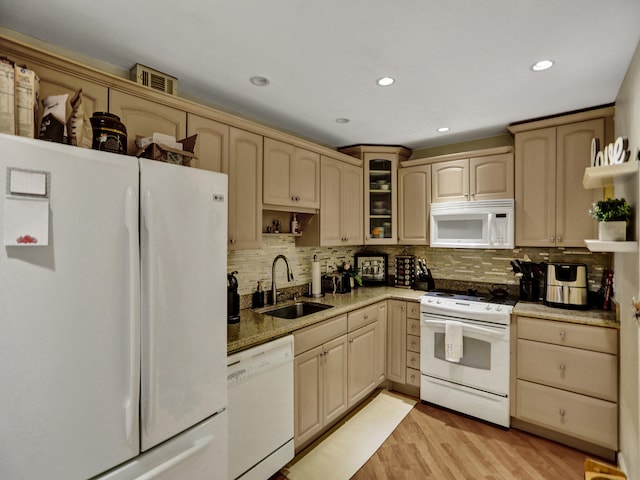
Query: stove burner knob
x,y
488,307
499,308
438,301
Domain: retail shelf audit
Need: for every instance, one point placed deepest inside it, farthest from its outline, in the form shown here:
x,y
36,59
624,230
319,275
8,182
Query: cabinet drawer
x,y
586,418
413,343
413,310
314,335
413,360
588,337
413,326
580,371
362,316
413,377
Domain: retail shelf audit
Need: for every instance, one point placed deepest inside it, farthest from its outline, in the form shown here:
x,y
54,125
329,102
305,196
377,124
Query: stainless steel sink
x,y
297,310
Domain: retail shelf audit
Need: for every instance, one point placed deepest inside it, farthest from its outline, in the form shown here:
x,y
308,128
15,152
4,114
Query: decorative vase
x,y
612,231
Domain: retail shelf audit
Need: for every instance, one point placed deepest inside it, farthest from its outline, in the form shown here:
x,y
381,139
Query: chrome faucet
x,y
274,291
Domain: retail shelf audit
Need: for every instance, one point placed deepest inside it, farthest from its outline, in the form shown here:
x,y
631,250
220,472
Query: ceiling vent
x,y
154,79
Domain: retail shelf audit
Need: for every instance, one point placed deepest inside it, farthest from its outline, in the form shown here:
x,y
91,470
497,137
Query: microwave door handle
x,y
469,328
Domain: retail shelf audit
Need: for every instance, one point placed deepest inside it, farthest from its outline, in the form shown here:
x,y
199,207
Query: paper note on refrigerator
x,y
26,221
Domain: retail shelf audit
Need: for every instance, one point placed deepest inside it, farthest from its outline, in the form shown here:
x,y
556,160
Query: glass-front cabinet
x,y
380,190
380,206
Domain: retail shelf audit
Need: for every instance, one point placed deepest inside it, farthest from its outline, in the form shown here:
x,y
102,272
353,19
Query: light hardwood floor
x,y
433,443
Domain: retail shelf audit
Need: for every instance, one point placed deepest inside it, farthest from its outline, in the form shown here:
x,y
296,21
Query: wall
x,y
626,267
467,265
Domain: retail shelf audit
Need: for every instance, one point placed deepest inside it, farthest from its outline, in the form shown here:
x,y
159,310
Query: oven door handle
x,y
470,328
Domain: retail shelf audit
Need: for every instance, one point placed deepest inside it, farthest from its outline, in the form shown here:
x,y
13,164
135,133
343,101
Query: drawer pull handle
x,y
562,412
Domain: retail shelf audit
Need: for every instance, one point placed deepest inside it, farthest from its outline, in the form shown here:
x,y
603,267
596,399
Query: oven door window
x,y
485,354
477,353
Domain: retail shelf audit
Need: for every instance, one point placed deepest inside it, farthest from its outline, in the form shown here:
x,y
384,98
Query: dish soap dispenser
x,y
258,297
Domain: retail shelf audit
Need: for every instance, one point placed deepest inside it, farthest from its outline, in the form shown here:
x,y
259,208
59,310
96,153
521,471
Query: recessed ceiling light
x,y
342,120
260,81
542,65
385,81
443,129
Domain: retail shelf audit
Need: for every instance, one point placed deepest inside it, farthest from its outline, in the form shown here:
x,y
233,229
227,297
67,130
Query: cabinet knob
x,y
466,195
351,340
558,238
413,361
562,412
232,241
551,239
563,334
562,368
402,307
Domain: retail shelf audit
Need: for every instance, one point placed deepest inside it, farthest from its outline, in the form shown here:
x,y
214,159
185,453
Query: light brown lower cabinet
x,y
338,363
320,386
567,383
397,341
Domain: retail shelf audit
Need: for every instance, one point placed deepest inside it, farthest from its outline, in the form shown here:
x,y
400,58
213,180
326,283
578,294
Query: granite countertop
x,y
599,318
255,327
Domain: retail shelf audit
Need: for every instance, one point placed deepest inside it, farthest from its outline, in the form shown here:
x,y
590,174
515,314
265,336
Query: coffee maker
x,y
233,299
566,286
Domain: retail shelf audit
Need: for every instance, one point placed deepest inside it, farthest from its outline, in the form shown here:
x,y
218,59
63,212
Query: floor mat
x,y
341,454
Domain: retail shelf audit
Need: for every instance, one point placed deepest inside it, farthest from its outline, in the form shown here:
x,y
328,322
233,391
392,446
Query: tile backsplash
x,y
463,265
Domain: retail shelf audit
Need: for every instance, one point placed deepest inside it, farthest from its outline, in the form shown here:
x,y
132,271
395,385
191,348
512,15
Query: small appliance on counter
x,y
566,286
336,283
233,298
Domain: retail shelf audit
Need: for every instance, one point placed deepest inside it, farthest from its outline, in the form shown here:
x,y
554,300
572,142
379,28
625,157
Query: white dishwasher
x,y
260,409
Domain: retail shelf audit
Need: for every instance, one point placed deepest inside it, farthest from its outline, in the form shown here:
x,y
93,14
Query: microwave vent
x,y
154,79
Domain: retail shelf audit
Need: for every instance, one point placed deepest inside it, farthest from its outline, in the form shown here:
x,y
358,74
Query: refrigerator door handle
x,y
150,373
131,406
197,446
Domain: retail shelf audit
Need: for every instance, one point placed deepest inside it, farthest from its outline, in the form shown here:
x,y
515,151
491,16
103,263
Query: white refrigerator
x,y
112,316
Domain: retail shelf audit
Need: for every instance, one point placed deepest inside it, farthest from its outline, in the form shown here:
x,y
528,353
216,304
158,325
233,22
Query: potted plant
x,y
612,215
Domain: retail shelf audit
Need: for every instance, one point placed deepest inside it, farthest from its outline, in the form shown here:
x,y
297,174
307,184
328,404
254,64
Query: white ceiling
x,y
457,63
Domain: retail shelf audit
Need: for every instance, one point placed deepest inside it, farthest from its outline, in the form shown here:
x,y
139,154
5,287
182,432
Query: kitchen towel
x,y
453,341
316,284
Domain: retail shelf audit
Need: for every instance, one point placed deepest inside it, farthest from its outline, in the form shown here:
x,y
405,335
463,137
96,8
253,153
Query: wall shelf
x,y
282,234
599,177
609,246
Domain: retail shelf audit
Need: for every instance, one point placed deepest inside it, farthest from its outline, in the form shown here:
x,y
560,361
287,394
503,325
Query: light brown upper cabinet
x,y
212,144
291,176
380,191
245,190
551,203
341,203
414,185
487,177
144,117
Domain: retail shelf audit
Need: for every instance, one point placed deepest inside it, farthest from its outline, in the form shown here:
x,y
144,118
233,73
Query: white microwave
x,y
478,224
